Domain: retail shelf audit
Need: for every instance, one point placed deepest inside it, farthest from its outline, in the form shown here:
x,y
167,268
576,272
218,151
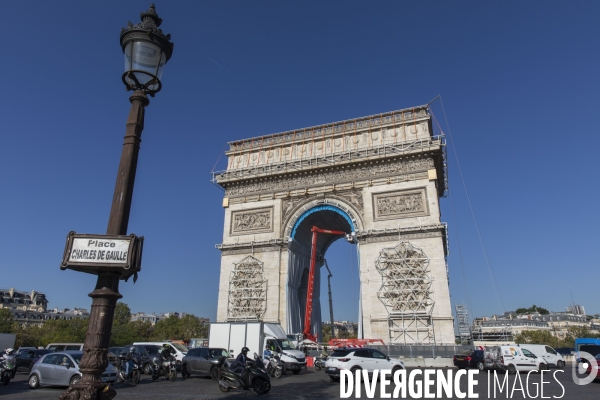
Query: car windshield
x,y
180,347
219,353
77,357
286,344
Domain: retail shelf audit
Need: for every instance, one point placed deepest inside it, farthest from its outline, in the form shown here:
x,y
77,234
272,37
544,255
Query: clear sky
x,y
519,83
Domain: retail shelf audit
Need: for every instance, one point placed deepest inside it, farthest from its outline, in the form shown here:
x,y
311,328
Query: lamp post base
x,y
89,391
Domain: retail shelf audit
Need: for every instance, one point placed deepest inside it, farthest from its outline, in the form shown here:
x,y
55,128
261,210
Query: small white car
x,y
62,369
547,353
359,359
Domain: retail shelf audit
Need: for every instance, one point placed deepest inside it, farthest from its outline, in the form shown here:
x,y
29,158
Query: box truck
x,y
257,337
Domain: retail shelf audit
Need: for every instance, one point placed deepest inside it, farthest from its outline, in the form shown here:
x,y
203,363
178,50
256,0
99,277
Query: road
x,y
309,384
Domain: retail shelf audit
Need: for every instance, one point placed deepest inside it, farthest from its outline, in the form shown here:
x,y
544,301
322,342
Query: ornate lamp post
x,y
146,51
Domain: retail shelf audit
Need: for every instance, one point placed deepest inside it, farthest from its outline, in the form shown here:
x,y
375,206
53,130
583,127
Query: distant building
x,y
153,318
503,328
30,308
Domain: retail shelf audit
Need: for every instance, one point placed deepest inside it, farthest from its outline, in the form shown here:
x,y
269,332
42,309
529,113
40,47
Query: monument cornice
x,y
334,175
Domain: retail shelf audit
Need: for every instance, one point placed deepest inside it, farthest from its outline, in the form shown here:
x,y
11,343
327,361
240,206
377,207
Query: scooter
x,y
8,368
320,363
166,368
254,377
275,367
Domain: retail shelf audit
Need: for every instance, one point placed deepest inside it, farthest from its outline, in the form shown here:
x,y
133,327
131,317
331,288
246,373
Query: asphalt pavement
x,y
313,384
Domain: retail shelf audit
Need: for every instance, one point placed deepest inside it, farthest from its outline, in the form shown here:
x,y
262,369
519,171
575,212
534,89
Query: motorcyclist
x,y
240,361
324,353
130,358
7,353
165,353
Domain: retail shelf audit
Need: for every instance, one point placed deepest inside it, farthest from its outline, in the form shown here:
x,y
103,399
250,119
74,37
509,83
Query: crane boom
x,y
311,279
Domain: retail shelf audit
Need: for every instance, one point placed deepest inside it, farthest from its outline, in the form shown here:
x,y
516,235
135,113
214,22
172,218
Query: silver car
x,y
62,369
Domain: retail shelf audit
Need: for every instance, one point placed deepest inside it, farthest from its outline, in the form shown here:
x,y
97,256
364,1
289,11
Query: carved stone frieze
x,y
400,204
329,176
245,222
354,197
247,290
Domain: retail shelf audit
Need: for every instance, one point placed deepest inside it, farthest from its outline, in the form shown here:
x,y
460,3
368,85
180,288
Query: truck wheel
x,y
277,373
511,369
560,364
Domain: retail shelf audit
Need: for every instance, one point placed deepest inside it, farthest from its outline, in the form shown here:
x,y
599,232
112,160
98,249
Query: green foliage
x,y
539,337
6,321
532,309
179,328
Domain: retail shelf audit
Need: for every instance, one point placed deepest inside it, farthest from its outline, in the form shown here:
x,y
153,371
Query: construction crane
x,y
330,300
311,277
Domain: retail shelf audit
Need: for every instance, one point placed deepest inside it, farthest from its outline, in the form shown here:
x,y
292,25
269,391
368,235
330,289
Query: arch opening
x,y
299,250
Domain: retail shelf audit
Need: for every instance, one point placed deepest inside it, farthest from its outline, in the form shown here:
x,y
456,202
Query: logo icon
x,y
586,362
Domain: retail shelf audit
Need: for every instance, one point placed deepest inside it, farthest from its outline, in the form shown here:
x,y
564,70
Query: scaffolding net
x,y
247,291
406,292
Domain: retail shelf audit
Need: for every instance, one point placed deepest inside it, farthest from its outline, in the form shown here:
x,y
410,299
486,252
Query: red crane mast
x,y
311,279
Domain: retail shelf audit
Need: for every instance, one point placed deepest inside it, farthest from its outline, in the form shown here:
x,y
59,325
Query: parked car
x,y
512,358
65,346
26,357
203,361
469,359
62,369
359,359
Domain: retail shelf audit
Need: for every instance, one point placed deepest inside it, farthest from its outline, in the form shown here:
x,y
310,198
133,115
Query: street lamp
x,y
146,49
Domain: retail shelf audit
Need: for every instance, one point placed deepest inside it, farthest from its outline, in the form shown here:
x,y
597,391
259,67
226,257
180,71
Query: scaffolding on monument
x,y
406,292
247,291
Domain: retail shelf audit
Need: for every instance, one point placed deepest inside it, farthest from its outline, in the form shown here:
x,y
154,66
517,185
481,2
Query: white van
x,y
550,356
178,350
512,358
65,346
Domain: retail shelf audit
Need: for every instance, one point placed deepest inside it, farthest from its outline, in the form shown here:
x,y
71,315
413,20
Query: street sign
x,y
103,253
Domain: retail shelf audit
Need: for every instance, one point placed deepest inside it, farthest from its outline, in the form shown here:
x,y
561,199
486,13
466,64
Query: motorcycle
x,y
166,368
320,363
8,368
134,374
253,377
275,367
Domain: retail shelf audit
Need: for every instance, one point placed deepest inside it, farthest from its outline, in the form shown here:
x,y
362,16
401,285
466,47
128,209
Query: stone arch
x,y
327,213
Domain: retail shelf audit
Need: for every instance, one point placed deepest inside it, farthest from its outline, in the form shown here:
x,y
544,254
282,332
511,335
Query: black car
x,y
469,359
203,361
26,357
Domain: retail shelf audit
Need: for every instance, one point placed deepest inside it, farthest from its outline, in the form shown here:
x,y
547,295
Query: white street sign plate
x,y
103,251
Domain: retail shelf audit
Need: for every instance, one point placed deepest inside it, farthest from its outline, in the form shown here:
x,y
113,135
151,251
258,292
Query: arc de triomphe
x,y
379,176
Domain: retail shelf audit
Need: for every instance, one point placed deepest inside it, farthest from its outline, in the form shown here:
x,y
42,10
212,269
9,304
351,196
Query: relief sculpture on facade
x,y
398,204
250,221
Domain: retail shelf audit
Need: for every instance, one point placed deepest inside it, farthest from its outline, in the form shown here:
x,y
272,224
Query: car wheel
x,y
184,372
353,371
148,369
511,369
74,379
34,381
334,378
542,367
395,369
214,373
480,366
560,364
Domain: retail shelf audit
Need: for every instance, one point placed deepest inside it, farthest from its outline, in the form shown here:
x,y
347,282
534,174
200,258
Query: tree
x,y
183,328
6,321
532,309
538,337
62,330
122,314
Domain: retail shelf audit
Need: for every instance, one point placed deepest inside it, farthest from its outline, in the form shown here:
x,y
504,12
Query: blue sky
x,y
519,83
